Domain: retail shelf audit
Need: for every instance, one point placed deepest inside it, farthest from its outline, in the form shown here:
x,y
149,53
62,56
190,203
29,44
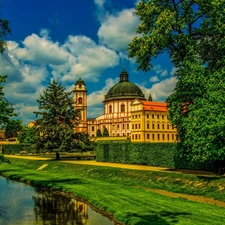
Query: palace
x,y
127,113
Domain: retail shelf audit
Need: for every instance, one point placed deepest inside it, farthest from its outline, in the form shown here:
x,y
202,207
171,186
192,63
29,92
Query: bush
x,y
153,154
17,148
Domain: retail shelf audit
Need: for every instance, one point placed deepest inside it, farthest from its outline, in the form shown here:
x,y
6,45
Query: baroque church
x,y
127,113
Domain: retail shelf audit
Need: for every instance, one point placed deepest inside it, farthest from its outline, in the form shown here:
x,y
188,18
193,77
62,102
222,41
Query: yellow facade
x,y
149,122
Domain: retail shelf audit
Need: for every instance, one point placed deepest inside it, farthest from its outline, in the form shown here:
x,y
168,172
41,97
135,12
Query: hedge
x,y
16,148
153,154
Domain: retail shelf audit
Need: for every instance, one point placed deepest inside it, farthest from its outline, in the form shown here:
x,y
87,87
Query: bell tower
x,y
80,99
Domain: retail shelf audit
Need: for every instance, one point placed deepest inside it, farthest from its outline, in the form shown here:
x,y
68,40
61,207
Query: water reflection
x,y
52,209
22,204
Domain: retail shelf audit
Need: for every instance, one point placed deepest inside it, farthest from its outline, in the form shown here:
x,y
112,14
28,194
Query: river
x,y
21,204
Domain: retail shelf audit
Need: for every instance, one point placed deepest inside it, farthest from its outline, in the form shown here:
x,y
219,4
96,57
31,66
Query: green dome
x,y
124,89
80,82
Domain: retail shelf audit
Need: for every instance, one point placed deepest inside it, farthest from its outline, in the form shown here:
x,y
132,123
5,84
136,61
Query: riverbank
x,y
129,195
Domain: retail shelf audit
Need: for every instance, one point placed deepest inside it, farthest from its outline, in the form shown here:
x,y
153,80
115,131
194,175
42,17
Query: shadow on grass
x,y
209,178
161,218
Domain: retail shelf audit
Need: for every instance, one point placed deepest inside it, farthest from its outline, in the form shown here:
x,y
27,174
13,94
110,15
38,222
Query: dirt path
x,y
189,197
141,167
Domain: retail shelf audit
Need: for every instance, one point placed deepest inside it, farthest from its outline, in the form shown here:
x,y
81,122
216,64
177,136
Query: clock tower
x,y
80,99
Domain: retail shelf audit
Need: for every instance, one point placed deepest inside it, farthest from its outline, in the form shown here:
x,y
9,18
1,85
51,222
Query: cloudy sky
x,y
65,40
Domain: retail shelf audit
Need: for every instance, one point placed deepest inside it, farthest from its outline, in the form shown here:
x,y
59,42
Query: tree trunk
x,y
57,157
220,167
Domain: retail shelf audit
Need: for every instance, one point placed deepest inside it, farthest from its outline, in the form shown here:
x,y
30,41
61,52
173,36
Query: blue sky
x,y
65,40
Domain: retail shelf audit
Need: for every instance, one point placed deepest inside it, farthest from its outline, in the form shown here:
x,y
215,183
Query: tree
x,y
98,133
192,33
12,128
56,127
105,132
27,135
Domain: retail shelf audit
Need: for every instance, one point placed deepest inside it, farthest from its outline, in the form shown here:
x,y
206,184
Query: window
x,y
123,126
163,137
118,126
92,128
80,100
80,86
163,117
172,137
153,126
128,126
153,137
132,126
168,137
135,126
158,137
147,125
148,136
152,116
163,126
122,108
168,126
139,136
139,126
157,116
147,115
132,137
110,109
136,116
158,126
135,136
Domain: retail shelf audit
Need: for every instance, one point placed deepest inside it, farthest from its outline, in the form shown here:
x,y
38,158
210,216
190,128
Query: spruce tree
x,y
58,120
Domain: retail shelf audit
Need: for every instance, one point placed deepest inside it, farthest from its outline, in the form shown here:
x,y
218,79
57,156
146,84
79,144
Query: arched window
x,y
122,108
110,109
80,100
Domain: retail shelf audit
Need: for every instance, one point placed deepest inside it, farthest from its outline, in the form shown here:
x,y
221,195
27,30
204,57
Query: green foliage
x,y
16,148
105,132
153,154
6,109
98,133
193,34
56,127
27,135
12,128
4,30
3,159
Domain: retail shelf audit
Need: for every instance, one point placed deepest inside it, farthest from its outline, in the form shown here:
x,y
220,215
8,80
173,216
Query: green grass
x,y
121,192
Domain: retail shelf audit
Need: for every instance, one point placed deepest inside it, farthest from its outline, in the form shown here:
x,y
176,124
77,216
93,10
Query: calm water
x,y
22,204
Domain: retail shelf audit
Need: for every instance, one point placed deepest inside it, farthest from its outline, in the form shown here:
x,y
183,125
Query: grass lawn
x,y
125,193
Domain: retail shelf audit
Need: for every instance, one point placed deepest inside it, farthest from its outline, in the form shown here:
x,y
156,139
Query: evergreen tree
x,y
56,127
98,133
105,132
192,33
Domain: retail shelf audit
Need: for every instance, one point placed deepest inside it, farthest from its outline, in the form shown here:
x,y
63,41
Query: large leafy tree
x,y
192,32
58,119
27,135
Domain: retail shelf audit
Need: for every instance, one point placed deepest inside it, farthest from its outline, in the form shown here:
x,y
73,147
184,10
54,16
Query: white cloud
x,y
174,69
154,79
164,73
118,30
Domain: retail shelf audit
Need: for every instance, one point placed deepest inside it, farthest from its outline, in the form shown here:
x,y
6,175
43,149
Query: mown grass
x,y
121,192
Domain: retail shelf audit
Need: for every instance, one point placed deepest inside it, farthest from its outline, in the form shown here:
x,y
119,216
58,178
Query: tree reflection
x,y
54,209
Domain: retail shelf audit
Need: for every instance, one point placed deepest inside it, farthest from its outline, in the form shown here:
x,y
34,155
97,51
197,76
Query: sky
x,y
69,39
